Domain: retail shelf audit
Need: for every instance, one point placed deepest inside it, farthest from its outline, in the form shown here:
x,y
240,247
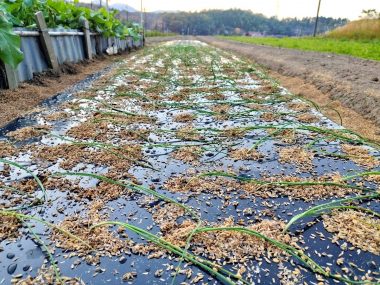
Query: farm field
x,y
368,49
187,165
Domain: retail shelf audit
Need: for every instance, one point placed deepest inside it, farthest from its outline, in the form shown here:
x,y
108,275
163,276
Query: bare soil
x,y
331,108
25,99
349,85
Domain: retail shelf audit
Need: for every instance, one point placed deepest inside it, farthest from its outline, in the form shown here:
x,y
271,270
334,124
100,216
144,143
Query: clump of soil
x,y
256,106
104,191
232,246
120,159
62,184
373,178
70,155
103,131
298,156
6,149
233,132
178,97
122,119
155,95
188,133
360,229
189,154
166,215
256,93
303,192
286,135
100,239
71,68
221,111
216,96
184,117
178,235
138,134
88,130
269,117
186,183
9,227
129,276
26,185
222,185
213,89
360,155
57,116
298,106
148,106
267,89
47,276
28,132
307,118
249,96
245,153
18,193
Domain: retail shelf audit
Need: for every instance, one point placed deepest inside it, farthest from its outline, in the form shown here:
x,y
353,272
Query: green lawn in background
x,y
369,49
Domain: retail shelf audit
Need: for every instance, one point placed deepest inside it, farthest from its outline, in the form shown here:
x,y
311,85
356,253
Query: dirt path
x,y
348,84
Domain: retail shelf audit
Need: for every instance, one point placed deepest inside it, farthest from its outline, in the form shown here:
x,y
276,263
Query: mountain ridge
x,y
123,7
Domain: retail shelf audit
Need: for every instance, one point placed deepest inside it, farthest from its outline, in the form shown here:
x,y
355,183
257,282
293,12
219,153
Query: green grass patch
x,y
368,49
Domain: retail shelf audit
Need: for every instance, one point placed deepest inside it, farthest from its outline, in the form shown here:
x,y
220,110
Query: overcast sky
x,y
282,8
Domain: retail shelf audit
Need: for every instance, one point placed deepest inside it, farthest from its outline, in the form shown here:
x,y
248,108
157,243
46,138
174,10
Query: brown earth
x,y
349,118
349,85
25,99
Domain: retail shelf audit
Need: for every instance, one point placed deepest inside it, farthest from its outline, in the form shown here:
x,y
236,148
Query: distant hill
x,y
123,7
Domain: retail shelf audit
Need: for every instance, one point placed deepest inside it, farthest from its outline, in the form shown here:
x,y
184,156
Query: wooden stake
x,y
46,42
12,77
87,39
8,77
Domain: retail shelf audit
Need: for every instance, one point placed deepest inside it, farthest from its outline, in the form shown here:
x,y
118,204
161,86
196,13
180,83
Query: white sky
x,y
282,8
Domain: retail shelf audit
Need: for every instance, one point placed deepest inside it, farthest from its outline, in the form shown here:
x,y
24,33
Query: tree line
x,y
235,21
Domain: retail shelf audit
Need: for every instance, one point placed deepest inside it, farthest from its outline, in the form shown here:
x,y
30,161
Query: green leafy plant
x,y
57,13
10,52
